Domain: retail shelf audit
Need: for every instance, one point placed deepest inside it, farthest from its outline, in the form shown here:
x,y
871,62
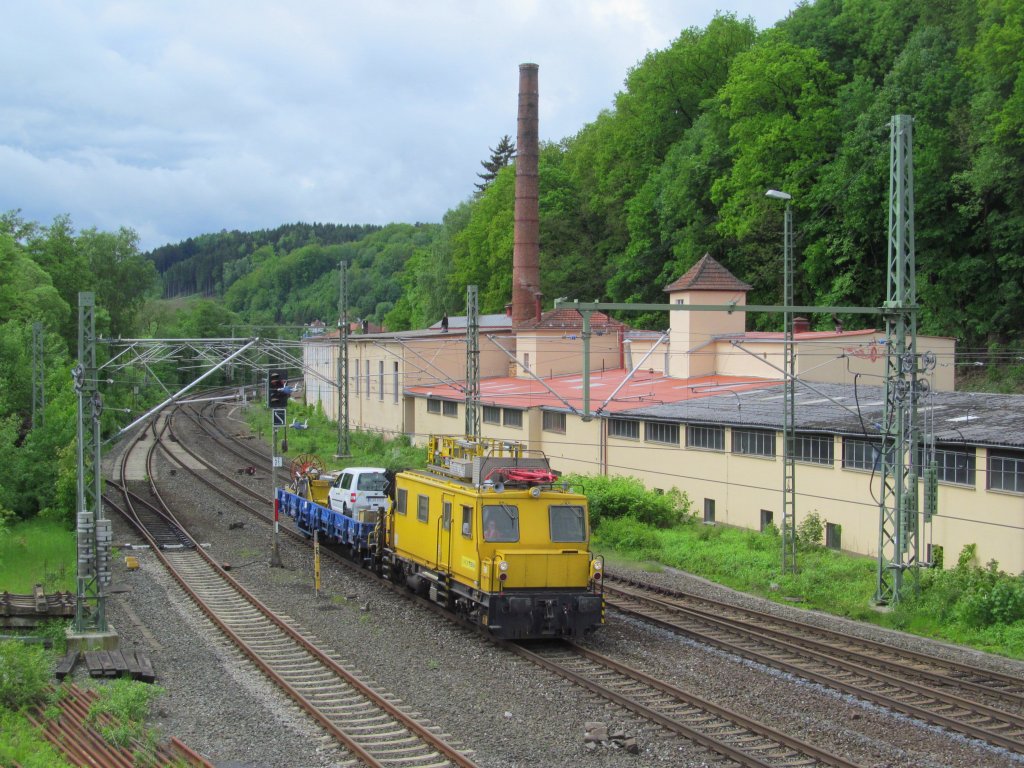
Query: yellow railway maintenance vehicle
x,y
495,536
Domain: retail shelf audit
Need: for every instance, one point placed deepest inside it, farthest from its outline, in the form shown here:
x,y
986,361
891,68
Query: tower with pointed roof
x,y
691,334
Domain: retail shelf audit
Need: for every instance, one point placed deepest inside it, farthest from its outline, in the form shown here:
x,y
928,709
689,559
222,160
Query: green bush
x,y
619,496
127,701
627,534
810,530
24,673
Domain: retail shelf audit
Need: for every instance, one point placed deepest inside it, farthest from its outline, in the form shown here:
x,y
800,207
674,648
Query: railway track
x,y
958,697
947,694
369,725
744,741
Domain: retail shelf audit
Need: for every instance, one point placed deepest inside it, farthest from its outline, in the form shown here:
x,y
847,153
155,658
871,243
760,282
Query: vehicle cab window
x,y
568,522
501,522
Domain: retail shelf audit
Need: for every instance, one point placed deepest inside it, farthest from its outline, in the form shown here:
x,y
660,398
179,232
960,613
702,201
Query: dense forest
x,y
676,168
679,166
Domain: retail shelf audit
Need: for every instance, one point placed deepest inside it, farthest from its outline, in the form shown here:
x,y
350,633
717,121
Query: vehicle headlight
x,y
598,565
503,566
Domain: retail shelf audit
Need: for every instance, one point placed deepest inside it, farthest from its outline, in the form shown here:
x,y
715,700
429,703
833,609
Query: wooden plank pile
x,y
134,664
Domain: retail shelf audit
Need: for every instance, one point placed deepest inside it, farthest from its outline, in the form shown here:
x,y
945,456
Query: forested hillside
x,y
209,264
679,166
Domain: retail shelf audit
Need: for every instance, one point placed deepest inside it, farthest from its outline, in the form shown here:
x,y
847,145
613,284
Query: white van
x,y
360,493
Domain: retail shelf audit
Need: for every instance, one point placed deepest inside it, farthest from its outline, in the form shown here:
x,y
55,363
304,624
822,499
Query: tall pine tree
x,y
501,156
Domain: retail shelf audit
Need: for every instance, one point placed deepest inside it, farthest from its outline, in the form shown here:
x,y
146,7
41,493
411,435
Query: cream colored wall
x,y
689,330
556,353
837,362
657,361
421,362
577,450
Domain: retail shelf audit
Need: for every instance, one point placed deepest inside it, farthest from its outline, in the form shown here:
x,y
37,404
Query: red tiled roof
x,y
707,275
645,388
571,318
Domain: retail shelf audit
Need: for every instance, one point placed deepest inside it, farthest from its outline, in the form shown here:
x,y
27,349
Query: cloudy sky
x,y
179,118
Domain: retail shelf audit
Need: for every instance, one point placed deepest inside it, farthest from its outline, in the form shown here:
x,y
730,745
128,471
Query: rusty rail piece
x,y
819,662
193,566
82,745
721,730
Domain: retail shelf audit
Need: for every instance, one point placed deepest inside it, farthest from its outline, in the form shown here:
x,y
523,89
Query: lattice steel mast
x,y
472,362
344,449
94,532
898,542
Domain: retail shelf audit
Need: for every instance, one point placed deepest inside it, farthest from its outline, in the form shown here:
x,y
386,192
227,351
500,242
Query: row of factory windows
x,y
954,464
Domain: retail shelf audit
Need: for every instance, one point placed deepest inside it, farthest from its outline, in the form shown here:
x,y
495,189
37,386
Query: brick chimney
x,y
526,248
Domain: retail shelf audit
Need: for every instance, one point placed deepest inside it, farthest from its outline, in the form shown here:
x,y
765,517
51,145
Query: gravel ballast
x,y
507,712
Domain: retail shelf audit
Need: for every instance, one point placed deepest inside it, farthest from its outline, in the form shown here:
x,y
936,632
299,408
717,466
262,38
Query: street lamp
x,y
789,387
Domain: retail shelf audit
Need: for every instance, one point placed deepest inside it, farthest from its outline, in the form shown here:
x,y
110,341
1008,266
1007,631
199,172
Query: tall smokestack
x,y
526,248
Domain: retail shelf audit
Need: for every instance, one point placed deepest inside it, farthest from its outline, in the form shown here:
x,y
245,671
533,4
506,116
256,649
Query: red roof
x,y
645,388
707,275
571,318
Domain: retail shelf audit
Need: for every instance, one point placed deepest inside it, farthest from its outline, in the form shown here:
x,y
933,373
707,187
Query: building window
x,y
513,418
815,449
712,438
394,381
709,511
554,421
423,508
402,501
628,429
433,405
833,536
355,378
366,369
492,414
766,518
861,454
380,377
449,408
659,432
1006,471
753,442
955,465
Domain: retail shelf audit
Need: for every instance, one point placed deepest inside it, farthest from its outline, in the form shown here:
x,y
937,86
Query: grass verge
x,y
37,551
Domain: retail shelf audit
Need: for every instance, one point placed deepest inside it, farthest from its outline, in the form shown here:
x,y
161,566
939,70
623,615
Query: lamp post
x,y
789,386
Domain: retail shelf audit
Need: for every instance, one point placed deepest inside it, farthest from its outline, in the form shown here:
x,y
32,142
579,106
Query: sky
x,y
193,116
